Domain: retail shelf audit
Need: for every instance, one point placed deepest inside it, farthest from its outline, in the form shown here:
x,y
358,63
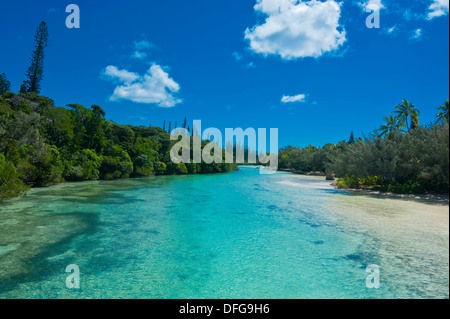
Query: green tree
x,y
80,118
406,111
23,88
391,127
352,138
95,130
11,184
116,163
4,84
35,71
443,113
145,157
85,166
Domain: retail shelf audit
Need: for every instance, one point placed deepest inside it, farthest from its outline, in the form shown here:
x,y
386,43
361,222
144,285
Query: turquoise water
x,y
237,235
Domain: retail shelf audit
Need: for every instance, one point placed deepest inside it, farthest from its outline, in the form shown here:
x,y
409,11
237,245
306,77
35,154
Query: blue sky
x,y
312,69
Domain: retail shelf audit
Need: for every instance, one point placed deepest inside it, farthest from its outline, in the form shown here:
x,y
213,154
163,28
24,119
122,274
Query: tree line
x,y
400,157
41,144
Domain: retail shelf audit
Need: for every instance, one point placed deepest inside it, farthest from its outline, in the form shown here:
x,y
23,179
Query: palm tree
x,y
443,114
392,126
404,111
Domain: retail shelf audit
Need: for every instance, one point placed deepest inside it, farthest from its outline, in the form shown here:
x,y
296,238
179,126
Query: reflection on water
x,y
238,235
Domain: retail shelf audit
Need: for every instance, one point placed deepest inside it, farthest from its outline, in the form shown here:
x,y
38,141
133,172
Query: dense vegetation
x,y
41,145
400,157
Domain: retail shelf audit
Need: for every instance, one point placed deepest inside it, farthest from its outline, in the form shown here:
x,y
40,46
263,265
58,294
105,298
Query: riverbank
x,y
443,198
293,171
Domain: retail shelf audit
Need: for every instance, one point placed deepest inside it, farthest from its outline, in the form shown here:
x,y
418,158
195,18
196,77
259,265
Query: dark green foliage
x,y
406,112
23,87
416,162
181,168
352,138
84,165
41,145
116,163
4,84
11,184
442,116
35,71
160,168
145,154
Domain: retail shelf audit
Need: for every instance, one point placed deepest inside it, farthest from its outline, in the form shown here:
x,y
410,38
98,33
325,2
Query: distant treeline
x,y
400,157
41,145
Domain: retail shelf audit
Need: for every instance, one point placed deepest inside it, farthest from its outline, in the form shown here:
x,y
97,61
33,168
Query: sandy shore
x,y
433,197
444,198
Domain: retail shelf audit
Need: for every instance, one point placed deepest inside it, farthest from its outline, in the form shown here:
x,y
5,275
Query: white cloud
x,y
438,8
410,15
297,29
154,87
143,45
295,98
417,34
139,55
237,56
372,5
140,47
121,75
392,30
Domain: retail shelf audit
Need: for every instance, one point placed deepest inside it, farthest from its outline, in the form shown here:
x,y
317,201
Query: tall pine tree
x,y
352,139
35,71
4,84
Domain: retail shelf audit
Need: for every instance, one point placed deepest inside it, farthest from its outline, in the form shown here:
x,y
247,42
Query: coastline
x,y
442,198
293,171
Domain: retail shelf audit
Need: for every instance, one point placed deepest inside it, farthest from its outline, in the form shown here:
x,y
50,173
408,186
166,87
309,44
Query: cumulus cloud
x,y
438,8
296,29
292,99
120,75
154,87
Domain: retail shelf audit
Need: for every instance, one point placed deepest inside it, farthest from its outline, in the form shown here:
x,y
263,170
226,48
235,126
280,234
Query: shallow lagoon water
x,y
236,235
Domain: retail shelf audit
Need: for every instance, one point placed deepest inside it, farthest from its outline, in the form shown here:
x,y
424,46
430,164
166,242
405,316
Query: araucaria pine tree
x,y
4,84
35,71
352,139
